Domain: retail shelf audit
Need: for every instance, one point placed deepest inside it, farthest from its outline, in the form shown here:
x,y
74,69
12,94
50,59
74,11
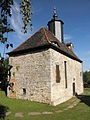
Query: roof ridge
x,y
46,35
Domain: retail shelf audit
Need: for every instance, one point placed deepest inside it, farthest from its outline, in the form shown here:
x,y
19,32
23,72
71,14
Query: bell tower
x,y
56,27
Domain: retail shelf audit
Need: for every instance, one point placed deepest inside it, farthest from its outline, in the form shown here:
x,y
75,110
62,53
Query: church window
x,y
57,74
24,91
65,70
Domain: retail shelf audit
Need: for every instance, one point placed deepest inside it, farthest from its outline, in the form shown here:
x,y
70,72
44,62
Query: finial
x,y
54,14
54,11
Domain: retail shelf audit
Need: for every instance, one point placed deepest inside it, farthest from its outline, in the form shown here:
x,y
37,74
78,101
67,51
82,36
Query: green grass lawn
x,y
80,112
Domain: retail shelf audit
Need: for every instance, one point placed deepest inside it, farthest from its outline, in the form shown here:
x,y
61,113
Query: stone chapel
x,y
45,68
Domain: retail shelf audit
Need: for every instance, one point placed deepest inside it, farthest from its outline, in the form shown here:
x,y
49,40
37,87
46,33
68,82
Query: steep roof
x,y
43,39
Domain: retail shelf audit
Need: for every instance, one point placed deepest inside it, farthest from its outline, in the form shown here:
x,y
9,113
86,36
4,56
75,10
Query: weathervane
x,y
54,14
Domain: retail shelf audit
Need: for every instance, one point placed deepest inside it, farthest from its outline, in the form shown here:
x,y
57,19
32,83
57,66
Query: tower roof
x,y
43,39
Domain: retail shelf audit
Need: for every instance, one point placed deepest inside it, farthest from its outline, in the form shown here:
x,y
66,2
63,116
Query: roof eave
x,y
45,46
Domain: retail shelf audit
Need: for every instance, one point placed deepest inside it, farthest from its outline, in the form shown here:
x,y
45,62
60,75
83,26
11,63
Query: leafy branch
x,y
25,10
5,9
5,13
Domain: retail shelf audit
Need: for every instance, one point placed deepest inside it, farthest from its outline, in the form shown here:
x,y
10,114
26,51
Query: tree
x,y
86,78
4,63
5,13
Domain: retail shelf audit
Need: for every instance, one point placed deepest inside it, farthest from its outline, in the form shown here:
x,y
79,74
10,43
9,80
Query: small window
x,y
65,70
73,79
80,73
57,74
24,91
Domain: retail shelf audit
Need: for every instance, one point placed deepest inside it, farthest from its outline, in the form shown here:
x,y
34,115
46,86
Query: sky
x,y
74,13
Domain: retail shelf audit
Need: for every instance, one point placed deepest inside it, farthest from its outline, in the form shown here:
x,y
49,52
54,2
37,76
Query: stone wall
x,y
32,73
59,93
35,74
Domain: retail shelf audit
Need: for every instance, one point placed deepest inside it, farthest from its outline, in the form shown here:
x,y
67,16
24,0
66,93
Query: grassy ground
x,y
80,112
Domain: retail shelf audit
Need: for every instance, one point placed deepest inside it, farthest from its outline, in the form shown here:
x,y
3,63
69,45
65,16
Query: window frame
x,y
57,74
65,72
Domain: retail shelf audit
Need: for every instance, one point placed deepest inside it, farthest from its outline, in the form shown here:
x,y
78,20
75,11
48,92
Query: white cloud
x,y
16,20
16,27
67,37
17,23
16,7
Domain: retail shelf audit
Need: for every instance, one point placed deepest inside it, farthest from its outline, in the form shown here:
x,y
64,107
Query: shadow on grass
x,y
84,98
3,110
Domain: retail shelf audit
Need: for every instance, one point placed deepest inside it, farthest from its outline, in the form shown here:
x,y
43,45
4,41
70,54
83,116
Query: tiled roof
x,y
43,39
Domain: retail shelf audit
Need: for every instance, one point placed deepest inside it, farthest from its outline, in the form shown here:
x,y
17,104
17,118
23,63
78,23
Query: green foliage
x,y
4,63
5,13
13,74
86,78
9,45
25,6
5,9
11,87
17,67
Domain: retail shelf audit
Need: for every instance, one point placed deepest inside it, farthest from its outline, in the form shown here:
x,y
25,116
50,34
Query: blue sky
x,y
75,15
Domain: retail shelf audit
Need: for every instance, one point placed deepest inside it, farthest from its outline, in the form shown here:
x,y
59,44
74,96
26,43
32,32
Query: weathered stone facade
x,y
59,93
35,74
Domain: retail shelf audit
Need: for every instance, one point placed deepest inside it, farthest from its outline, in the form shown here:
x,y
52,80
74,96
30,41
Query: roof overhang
x,y
43,47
